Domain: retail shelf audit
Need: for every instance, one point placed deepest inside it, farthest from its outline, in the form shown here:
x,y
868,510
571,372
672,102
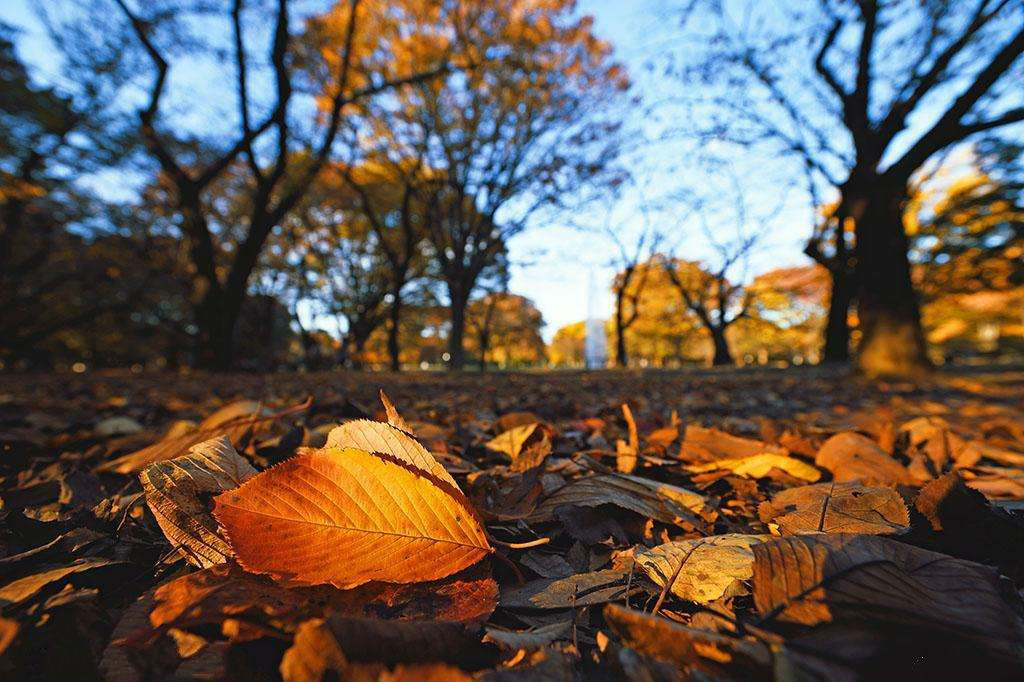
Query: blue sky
x,y
565,270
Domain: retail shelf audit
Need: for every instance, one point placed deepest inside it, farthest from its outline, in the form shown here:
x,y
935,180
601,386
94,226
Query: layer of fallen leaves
x,y
799,525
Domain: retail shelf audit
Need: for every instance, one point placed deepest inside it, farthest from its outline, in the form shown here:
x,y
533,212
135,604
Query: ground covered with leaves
x,y
786,525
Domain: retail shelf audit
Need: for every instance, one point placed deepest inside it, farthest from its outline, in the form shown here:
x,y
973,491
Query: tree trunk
x,y
216,319
485,343
621,358
395,318
892,341
722,354
457,333
837,328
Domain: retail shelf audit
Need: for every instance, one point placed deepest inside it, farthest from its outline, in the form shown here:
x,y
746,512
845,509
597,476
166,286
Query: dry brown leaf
x,y
511,442
837,508
384,439
715,655
582,589
225,591
394,418
240,409
314,652
626,451
926,605
663,437
406,641
760,466
8,631
706,445
120,663
345,517
529,640
714,567
962,523
852,457
234,430
24,588
178,492
661,501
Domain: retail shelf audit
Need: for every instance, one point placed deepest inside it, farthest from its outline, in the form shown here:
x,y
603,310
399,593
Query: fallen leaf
x,y
930,608
582,589
837,508
852,457
759,466
706,445
406,641
715,566
178,492
118,426
313,654
384,439
626,451
225,591
511,442
25,588
536,638
663,437
8,631
394,418
234,429
661,501
961,522
345,517
717,656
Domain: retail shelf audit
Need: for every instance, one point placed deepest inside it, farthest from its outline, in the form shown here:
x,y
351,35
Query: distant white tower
x,y
595,344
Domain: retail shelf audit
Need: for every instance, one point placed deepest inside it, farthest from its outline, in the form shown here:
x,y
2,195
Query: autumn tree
x,y
50,135
388,195
711,294
506,330
632,260
862,94
661,329
524,129
277,143
567,345
967,232
785,316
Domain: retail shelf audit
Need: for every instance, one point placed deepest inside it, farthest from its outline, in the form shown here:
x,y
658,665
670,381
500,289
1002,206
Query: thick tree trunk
x,y
457,333
722,354
837,328
216,319
394,320
892,341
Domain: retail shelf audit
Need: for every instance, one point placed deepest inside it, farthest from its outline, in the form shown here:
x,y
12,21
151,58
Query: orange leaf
x,y
345,517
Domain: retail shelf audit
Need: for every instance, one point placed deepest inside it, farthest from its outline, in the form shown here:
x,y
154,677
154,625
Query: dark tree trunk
x,y
485,343
216,321
621,357
394,320
456,336
837,328
722,354
892,341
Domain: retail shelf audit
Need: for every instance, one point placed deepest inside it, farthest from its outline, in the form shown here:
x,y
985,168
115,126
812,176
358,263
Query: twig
x,y
824,508
672,581
521,545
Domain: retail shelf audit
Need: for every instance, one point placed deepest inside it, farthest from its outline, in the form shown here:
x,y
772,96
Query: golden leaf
x,y
346,517
177,491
